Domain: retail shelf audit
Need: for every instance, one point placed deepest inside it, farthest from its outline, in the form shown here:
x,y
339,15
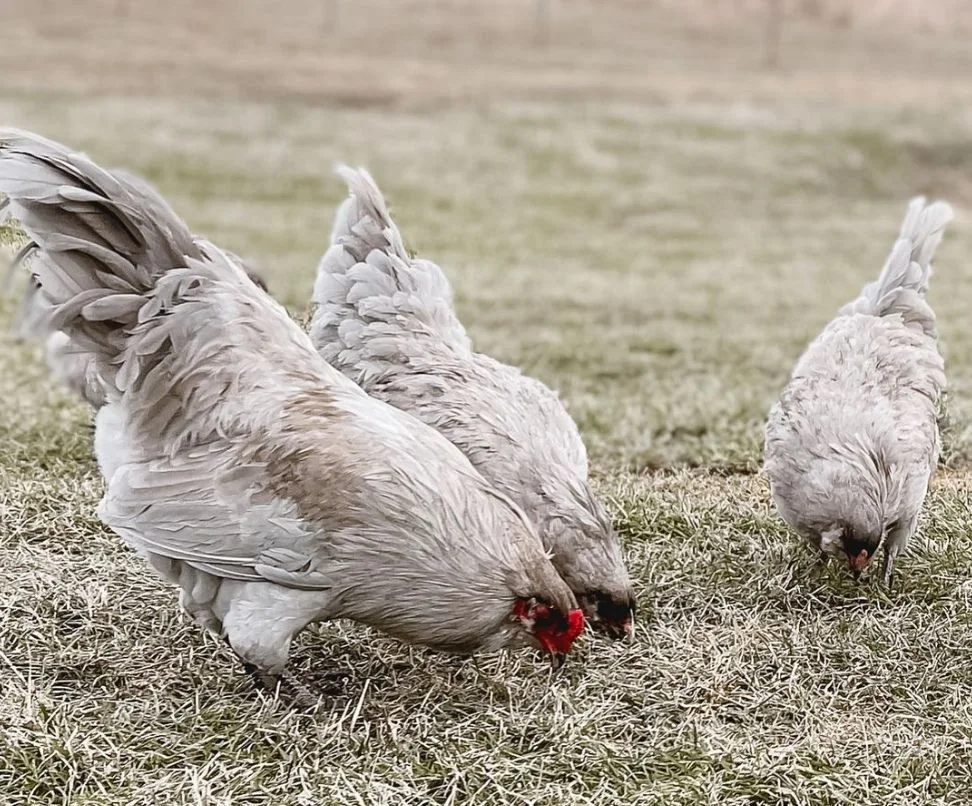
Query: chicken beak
x,y
557,660
858,562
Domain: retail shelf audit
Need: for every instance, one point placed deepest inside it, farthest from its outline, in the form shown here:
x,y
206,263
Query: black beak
x,y
557,660
618,630
615,619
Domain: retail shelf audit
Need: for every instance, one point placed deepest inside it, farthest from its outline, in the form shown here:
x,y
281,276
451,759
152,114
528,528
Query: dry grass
x,y
649,223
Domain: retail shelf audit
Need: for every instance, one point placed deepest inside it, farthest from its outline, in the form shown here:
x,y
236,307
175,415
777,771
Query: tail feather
x,y
74,366
94,248
368,286
903,283
93,240
148,191
89,224
145,305
363,223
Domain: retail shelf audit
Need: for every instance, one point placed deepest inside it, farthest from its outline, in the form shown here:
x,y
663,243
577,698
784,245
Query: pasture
x,y
636,213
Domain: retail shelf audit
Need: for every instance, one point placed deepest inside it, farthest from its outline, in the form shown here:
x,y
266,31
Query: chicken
x,y
271,489
386,321
853,441
74,369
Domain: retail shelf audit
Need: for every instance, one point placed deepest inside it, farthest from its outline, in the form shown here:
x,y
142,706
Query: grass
x,y
657,229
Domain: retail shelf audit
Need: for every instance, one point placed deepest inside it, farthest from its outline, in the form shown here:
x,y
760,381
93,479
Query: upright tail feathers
x,y
131,288
903,283
99,244
372,298
99,240
148,191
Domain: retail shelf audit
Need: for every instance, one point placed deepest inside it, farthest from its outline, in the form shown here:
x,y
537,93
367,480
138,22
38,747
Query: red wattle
x,y
565,640
575,623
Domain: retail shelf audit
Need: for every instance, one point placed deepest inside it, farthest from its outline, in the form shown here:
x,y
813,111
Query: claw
x,y
274,684
293,689
262,680
304,698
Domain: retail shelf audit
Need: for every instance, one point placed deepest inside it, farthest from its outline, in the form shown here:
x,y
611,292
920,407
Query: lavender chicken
x,y
386,321
853,441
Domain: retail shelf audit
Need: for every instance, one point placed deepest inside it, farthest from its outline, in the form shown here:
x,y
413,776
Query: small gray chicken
x,y
246,470
74,368
853,440
386,321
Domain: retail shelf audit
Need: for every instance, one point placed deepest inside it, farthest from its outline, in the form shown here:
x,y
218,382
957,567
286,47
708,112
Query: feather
x,y
900,289
80,238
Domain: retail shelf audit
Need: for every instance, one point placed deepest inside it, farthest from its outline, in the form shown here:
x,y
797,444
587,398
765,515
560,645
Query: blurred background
x,y
651,204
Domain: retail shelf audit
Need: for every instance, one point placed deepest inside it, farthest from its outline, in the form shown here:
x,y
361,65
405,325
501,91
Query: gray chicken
x,y
246,470
853,440
386,321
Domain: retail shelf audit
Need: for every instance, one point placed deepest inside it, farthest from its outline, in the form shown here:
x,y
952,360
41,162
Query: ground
x,y
638,214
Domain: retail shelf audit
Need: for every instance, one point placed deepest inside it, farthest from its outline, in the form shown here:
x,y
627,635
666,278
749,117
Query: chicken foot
x,y
300,694
297,692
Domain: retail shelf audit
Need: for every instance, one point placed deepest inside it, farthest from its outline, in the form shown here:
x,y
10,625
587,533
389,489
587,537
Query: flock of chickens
x,y
379,469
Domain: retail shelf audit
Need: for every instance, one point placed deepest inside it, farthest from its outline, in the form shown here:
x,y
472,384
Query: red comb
x,y
563,641
553,636
521,608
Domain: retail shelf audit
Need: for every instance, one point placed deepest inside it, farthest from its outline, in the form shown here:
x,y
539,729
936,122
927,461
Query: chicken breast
x,y
387,322
247,471
853,440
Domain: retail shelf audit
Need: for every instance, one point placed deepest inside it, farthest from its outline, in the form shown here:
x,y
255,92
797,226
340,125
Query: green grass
x,y
662,258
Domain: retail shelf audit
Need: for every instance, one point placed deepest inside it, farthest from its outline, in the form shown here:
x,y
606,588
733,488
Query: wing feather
x,y
203,508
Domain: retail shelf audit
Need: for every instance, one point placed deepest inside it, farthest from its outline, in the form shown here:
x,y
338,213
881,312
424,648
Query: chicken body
x,y
853,440
273,491
387,322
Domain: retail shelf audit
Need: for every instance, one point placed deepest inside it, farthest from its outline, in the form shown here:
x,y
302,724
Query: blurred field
x,y
633,209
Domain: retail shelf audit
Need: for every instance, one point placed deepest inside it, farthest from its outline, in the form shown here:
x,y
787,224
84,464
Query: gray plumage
x,y
273,491
386,320
73,367
853,441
